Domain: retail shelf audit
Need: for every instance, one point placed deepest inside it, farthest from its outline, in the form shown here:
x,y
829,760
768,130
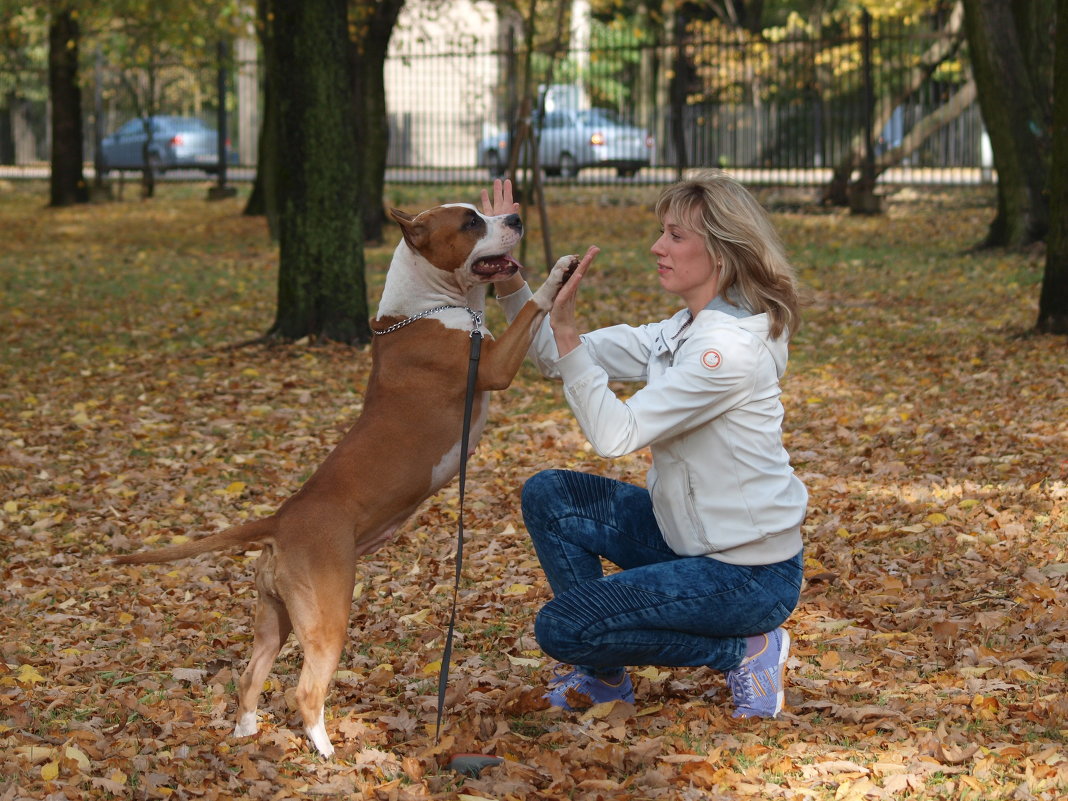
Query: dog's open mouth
x,y
494,265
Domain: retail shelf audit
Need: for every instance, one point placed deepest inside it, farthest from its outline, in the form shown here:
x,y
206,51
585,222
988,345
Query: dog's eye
x,y
470,222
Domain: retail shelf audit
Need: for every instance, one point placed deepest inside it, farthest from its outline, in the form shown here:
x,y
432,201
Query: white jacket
x,y
721,481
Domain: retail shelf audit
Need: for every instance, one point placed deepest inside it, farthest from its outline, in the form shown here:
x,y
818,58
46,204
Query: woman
x,y
710,551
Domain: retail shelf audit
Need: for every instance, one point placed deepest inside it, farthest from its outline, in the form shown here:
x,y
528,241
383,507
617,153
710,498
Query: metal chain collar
x,y
476,318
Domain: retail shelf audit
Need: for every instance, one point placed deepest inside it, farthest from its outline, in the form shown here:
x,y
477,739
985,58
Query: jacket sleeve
x,y
622,351
711,374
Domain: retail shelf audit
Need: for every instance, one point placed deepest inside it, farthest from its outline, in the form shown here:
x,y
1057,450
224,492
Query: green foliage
x,y
23,50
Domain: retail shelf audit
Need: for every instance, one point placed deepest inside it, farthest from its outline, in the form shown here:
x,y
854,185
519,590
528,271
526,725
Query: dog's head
x,y
457,238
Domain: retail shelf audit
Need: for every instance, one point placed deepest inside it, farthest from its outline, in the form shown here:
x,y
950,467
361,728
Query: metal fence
x,y
785,110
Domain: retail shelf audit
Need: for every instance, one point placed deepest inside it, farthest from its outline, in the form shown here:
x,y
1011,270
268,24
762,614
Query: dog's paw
x,y
563,269
247,725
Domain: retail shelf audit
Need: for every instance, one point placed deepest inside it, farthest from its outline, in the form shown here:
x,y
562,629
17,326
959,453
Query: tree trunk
x,y
1053,301
1015,117
927,127
68,184
321,283
374,24
838,190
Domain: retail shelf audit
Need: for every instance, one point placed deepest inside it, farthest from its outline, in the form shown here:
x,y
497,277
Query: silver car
x,y
572,139
177,143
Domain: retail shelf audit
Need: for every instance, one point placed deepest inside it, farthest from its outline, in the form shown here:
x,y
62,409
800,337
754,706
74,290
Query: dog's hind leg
x,y
320,618
272,630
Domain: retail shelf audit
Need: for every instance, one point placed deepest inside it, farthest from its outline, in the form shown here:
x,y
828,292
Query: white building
x,y
445,79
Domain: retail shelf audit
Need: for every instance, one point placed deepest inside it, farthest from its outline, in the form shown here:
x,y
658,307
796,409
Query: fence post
x,y
678,96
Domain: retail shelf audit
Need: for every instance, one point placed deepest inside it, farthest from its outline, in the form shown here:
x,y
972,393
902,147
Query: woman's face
x,y
684,264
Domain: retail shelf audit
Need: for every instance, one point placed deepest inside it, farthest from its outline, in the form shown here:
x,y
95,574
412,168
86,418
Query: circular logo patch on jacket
x,y
711,359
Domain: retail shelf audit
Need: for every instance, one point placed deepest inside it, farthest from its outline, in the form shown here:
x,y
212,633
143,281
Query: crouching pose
x,y
710,549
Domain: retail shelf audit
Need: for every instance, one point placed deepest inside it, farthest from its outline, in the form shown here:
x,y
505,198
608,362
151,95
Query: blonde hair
x,y
753,268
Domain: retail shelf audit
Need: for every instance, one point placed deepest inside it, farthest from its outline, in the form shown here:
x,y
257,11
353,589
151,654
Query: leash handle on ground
x,y
469,401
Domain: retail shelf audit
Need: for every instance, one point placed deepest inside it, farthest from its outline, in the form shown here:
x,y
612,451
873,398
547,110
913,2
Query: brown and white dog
x,y
404,446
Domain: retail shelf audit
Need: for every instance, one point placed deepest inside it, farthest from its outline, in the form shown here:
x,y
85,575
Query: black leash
x,y
446,656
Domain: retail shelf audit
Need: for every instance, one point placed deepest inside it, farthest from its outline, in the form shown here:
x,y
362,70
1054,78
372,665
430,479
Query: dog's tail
x,y
244,534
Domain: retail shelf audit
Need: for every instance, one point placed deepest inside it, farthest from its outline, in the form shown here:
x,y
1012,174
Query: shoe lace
x,y
561,675
741,686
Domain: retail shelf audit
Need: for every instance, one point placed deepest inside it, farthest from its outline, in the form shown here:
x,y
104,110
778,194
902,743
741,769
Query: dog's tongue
x,y
495,264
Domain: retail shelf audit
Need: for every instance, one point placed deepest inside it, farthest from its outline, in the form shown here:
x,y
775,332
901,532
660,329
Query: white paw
x,y
317,734
558,275
246,725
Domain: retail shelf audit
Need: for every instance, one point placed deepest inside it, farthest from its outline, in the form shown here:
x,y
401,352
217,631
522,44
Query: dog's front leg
x,y
501,357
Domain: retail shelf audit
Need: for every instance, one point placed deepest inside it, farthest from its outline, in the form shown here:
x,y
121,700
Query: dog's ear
x,y
409,228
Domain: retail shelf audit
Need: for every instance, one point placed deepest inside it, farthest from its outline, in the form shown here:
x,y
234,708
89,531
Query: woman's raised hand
x,y
501,202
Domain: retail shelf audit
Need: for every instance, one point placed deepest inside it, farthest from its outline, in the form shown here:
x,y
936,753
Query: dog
x,y
404,446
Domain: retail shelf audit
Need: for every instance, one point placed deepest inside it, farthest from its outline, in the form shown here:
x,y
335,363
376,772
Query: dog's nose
x,y
514,221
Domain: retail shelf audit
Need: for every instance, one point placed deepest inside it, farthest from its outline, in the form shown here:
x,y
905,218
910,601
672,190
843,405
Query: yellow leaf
x,y
653,674
35,753
251,372
28,675
521,662
936,519
50,771
118,776
517,589
11,507
416,617
78,756
178,539
125,617
600,711
968,503
235,489
433,667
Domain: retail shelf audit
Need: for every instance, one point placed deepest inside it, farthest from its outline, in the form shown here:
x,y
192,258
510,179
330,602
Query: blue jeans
x,y
662,609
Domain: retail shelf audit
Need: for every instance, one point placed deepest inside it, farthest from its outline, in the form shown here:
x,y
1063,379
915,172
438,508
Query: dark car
x,y
176,143
572,139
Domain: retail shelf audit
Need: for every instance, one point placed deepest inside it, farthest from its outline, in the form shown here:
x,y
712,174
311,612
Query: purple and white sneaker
x,y
599,691
757,683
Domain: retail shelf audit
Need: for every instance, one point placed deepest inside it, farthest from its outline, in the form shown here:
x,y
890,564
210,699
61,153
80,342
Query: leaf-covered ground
x,y
930,652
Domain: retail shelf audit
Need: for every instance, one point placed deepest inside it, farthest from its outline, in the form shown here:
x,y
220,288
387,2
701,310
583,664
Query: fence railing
x,y
781,111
